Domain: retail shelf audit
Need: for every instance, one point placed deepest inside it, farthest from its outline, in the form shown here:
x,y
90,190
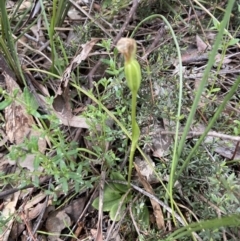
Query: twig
x,y
198,21
154,43
129,17
90,17
39,219
132,217
235,151
28,225
199,133
13,190
99,235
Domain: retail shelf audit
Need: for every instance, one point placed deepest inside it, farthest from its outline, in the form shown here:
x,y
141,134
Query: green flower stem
x,y
135,134
127,47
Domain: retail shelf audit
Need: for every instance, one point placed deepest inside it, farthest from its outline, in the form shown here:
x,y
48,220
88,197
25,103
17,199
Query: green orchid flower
x,y
127,47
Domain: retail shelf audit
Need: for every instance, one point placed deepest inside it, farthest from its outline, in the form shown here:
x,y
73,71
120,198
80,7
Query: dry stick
x,y
198,21
28,226
89,12
199,133
159,35
132,217
34,50
25,216
235,151
13,190
40,217
119,35
90,17
99,235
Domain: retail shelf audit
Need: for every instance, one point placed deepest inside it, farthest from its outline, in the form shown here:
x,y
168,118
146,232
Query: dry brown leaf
x,y
146,169
18,122
16,230
75,208
78,230
201,45
62,95
25,5
228,149
67,118
73,14
74,121
8,210
94,233
161,143
86,48
156,207
38,32
35,200
35,211
56,222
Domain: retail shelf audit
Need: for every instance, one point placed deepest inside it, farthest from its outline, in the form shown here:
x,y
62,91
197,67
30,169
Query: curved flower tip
x,y
127,47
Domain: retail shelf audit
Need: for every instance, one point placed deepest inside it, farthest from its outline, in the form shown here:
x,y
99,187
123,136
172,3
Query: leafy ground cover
x,y
68,128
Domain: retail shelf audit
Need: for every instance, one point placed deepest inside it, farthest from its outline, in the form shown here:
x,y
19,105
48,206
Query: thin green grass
x,y
7,45
228,221
180,90
199,92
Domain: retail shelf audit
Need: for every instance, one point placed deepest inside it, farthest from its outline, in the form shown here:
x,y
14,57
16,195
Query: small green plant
x,y
115,197
236,127
132,69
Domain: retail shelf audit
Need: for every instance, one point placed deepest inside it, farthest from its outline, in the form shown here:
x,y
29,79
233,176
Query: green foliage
x,y
141,213
66,162
232,220
114,6
114,198
7,46
30,102
201,172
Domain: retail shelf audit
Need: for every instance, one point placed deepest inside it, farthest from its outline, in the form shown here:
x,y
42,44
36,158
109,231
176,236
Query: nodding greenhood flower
x,y
127,47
